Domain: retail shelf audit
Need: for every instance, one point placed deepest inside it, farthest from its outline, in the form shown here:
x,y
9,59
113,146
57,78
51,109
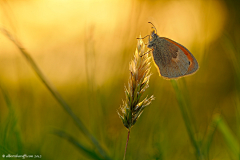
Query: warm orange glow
x,y
66,33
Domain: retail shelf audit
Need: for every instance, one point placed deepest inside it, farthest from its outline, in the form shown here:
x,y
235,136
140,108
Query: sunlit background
x,y
84,49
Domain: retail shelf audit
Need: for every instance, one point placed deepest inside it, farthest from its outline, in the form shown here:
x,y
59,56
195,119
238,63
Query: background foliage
x,y
84,49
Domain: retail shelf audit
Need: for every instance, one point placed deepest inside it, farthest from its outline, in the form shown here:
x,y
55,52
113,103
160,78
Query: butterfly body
x,y
171,58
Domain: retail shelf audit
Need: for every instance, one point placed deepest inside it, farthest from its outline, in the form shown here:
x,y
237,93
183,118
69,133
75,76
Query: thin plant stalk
x,y
55,93
78,145
11,125
126,144
187,121
209,138
229,137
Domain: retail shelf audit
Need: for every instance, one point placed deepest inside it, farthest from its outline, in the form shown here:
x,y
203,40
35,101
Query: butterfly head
x,y
153,35
152,41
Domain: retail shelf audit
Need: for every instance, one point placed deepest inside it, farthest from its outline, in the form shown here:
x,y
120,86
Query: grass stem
x,y
126,145
187,121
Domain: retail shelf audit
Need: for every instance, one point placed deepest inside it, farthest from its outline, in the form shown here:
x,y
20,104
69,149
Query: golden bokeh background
x,y
84,49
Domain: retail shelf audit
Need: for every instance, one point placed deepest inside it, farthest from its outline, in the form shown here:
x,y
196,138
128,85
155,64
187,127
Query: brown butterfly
x,y
172,59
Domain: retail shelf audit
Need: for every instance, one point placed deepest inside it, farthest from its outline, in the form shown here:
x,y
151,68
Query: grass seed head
x,y
138,82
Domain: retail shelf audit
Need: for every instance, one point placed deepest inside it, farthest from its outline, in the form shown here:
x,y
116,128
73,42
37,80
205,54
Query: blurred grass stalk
x,y
232,143
89,152
11,127
138,82
230,139
187,120
217,122
56,94
230,44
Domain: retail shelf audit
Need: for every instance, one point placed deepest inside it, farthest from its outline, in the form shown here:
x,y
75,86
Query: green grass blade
x,y
230,139
11,122
4,150
78,145
55,93
186,118
209,137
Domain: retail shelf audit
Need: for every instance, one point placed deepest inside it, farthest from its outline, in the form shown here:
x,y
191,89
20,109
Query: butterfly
x,y
172,59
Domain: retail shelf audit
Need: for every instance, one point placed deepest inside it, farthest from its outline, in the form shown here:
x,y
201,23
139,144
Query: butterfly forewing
x,y
169,58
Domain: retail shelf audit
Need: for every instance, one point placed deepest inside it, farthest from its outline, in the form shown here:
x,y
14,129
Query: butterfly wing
x,y
170,59
193,66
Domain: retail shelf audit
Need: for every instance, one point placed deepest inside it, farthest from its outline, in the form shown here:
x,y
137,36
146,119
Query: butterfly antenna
x,y
153,26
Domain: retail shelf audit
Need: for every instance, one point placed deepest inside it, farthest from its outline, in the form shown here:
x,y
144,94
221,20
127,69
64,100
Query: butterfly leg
x,y
146,53
144,37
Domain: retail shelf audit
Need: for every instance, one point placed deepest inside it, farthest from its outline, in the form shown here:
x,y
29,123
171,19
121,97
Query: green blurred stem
x,y
55,93
186,119
209,138
126,144
78,145
230,139
12,125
